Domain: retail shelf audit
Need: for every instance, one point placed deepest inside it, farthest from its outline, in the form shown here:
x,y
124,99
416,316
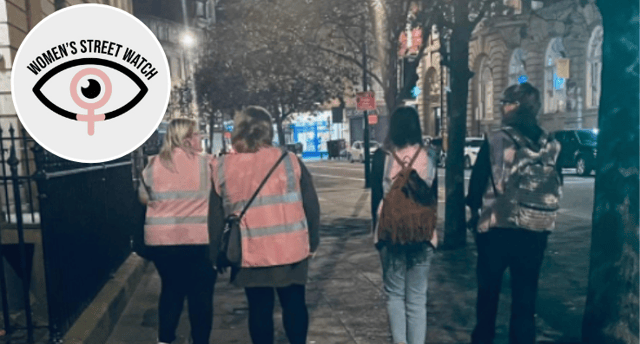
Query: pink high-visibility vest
x,y
179,200
274,229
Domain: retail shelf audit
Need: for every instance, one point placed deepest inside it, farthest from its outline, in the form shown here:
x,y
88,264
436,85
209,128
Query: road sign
x,y
373,119
366,101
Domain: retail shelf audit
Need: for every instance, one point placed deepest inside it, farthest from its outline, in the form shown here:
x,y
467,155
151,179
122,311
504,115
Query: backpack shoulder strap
x,y
515,136
415,156
395,156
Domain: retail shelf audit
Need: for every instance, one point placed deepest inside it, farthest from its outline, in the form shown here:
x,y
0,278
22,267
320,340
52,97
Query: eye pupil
x,y
93,90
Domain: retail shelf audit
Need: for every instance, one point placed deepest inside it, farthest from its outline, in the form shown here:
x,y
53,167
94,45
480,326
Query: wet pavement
x,y
346,300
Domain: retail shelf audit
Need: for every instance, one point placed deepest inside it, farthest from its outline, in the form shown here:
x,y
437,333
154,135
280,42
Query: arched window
x,y
594,68
517,68
485,91
555,88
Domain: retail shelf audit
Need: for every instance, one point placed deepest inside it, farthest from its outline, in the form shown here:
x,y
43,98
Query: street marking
x,y
337,177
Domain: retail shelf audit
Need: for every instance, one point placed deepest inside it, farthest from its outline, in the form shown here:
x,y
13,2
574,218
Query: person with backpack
x,y
404,210
264,197
514,195
175,187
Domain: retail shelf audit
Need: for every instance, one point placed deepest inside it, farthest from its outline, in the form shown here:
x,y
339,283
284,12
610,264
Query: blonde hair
x,y
178,133
253,130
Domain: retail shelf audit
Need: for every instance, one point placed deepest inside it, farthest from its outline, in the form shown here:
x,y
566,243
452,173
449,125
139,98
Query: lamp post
x,y
188,41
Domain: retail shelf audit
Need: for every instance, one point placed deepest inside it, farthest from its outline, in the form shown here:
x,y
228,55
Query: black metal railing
x,y
88,213
24,150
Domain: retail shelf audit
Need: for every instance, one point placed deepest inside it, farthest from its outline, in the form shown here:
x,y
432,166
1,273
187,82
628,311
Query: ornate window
x,y
555,88
517,67
485,91
594,68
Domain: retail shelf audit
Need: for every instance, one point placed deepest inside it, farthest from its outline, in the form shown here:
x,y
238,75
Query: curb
x,y
98,320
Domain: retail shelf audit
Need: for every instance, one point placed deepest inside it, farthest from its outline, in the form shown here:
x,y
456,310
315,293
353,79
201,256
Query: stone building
x,y
17,18
179,40
555,45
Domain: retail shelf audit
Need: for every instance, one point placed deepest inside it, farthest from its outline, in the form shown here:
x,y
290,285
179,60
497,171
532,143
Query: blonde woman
x,y
279,231
175,188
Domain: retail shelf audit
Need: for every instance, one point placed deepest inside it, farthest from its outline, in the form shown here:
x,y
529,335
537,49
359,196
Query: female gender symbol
x,y
90,117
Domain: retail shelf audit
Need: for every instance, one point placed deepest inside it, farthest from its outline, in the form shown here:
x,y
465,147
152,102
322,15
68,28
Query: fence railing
x,y
86,214
24,151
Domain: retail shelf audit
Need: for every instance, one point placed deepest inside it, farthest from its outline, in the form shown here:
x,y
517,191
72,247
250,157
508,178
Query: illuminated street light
x,y
188,40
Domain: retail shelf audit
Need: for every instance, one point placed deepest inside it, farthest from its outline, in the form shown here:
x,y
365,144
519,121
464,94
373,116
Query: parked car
x,y
471,148
578,150
296,148
356,152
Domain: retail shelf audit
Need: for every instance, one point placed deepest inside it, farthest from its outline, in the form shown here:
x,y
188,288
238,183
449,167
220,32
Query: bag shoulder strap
x,y
493,183
413,159
415,156
395,156
264,181
515,137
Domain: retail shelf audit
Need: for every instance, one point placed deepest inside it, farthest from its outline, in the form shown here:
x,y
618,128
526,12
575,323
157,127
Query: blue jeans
x,y
406,290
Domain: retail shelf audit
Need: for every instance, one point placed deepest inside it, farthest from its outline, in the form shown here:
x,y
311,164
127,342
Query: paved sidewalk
x,y
345,298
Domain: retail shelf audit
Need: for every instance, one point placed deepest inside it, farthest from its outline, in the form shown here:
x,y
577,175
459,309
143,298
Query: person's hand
x,y
472,224
221,264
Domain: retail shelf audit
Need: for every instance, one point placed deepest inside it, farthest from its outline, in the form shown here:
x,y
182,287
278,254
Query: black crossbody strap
x,y
493,183
264,181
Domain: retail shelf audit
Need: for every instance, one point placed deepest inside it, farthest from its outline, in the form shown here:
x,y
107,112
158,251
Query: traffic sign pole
x,y
367,157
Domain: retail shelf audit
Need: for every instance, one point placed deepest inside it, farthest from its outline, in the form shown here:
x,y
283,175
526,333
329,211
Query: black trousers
x,y
295,316
185,272
522,252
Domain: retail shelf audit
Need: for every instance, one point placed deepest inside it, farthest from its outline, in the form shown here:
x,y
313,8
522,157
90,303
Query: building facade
x,y
180,33
557,47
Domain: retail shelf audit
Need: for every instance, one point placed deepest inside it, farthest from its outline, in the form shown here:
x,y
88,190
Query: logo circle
x,y
90,95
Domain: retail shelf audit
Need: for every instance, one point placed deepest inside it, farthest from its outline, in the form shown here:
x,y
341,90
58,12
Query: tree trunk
x,y
611,313
387,52
278,119
455,233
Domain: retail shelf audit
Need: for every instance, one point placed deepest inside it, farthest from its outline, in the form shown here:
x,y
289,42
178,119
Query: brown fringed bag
x,y
409,211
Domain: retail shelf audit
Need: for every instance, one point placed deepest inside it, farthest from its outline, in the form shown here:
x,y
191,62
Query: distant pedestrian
x,y
514,195
175,188
404,209
279,231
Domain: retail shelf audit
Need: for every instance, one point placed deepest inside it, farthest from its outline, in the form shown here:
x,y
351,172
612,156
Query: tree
x,y
611,313
260,55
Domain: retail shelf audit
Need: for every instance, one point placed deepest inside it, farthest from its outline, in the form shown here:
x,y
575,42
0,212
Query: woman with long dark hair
x,y
403,203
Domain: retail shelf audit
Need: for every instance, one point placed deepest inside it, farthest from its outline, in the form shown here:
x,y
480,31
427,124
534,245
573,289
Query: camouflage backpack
x,y
534,187
409,210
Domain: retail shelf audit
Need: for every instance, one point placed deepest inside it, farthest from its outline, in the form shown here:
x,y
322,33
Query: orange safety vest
x,y
274,229
179,201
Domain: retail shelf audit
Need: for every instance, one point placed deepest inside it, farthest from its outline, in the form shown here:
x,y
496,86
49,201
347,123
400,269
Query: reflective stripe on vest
x,y
177,212
274,229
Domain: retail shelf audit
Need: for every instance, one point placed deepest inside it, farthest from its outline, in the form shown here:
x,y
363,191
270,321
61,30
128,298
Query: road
x,y
331,176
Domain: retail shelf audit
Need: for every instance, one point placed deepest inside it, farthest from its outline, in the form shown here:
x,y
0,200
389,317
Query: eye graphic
x,y
87,93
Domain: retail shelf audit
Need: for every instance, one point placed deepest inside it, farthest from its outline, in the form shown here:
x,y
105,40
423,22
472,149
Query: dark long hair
x,y
404,128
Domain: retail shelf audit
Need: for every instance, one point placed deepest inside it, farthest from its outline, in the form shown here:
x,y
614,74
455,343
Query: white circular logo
x,y
90,83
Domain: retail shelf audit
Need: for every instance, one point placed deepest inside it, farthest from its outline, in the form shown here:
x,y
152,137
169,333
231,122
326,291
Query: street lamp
x,y
188,40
